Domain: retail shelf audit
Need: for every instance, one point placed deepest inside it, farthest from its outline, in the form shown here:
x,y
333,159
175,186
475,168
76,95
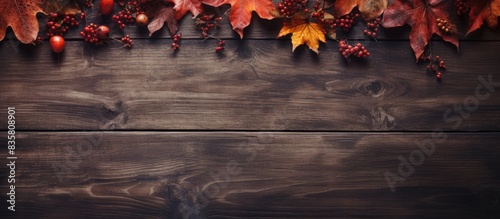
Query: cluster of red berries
x,y
346,22
94,34
59,25
462,7
141,6
70,20
89,33
317,5
290,7
134,11
175,45
137,6
220,46
435,66
127,42
54,29
124,17
347,50
207,23
320,16
372,28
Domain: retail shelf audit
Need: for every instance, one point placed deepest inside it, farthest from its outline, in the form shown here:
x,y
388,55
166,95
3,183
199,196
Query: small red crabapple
x,y
57,43
106,7
103,32
141,20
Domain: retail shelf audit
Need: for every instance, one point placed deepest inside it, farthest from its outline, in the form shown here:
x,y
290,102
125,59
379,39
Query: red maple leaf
x,y
480,11
422,16
241,11
162,15
21,16
183,6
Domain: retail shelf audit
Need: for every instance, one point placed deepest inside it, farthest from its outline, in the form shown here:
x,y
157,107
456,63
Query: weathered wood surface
x,y
105,132
254,85
254,175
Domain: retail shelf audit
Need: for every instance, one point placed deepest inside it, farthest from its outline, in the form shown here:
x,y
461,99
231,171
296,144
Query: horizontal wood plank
x,y
254,175
253,85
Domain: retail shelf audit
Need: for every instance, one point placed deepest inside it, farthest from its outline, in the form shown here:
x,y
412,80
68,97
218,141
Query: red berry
x,y
57,44
106,7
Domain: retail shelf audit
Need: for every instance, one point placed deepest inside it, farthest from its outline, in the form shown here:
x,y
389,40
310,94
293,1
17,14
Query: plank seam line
x,y
257,131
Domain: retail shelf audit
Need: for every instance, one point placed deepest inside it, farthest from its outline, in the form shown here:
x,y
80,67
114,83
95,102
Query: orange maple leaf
x,y
481,11
370,9
241,11
303,32
21,16
183,6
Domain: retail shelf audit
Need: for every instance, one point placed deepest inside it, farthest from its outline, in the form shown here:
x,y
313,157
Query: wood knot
x,y
381,120
181,200
113,117
373,88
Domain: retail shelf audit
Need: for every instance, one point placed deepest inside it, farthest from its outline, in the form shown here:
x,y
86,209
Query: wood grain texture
x,y
253,175
253,85
106,132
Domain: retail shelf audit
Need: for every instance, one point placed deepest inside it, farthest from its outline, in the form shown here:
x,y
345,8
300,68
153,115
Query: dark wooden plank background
x,y
256,132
